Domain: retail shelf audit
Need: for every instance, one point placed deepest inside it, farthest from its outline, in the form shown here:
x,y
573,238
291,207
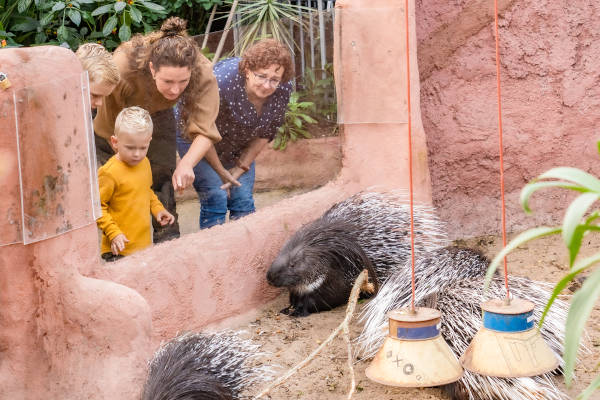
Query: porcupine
x,y
451,280
321,261
194,366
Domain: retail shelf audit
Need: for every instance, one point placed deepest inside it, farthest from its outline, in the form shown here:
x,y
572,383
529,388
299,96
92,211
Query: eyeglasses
x,y
262,79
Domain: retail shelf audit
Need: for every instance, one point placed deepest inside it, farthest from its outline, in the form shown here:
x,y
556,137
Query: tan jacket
x,y
138,89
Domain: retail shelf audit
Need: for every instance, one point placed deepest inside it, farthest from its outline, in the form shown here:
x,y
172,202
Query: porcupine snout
x,y
282,273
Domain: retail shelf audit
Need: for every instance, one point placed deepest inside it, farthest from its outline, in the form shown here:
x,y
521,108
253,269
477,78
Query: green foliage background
x,y
109,22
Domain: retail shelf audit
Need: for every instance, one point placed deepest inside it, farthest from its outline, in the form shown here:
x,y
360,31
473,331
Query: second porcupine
x,y
459,299
215,366
320,262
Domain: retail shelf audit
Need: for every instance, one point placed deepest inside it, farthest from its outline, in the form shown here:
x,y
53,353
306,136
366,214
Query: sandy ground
x,y
290,340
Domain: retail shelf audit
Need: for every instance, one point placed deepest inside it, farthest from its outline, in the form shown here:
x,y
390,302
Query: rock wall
x,y
550,63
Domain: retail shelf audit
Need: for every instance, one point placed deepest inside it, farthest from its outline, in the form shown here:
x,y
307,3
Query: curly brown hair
x,y
264,53
170,46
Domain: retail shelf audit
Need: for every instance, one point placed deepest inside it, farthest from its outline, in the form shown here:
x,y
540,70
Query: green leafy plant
x,y
109,22
321,92
579,220
294,126
265,18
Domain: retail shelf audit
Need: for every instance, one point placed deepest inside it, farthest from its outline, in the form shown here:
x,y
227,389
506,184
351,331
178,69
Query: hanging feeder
x,y
509,345
414,354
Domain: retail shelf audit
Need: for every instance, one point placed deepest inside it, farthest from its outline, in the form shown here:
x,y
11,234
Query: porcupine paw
x,y
295,311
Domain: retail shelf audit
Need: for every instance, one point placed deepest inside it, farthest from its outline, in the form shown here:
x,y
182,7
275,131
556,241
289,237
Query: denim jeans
x,y
214,202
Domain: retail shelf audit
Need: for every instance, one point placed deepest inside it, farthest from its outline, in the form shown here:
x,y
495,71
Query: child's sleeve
x,y
155,205
106,223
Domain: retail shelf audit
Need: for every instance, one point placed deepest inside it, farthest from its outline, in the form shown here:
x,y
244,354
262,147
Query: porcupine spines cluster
x,y
381,223
216,366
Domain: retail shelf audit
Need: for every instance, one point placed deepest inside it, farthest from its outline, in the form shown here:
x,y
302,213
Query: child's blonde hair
x,y
134,121
99,63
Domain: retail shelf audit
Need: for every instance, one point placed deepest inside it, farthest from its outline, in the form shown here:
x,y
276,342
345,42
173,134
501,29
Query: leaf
x,y
87,1
26,26
58,6
152,6
516,242
124,33
298,122
40,37
136,15
120,5
572,220
74,16
579,311
46,19
587,393
530,188
62,34
562,284
102,10
23,5
87,17
110,24
577,176
308,119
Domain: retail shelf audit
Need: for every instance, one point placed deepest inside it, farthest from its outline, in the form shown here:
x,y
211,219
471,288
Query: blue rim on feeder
x,y
414,353
509,345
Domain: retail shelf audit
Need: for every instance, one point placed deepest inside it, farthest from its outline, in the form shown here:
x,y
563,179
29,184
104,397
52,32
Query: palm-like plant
x,y
578,221
264,18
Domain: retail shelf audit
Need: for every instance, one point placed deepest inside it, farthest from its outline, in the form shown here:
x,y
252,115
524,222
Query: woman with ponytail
x,y
158,70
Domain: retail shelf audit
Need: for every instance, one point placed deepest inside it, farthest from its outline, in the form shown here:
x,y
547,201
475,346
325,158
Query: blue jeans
x,y
214,202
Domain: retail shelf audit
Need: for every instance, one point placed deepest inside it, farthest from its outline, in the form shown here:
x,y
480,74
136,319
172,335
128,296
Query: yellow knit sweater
x,y
127,200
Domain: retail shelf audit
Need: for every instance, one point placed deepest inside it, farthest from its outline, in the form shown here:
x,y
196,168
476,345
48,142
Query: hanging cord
x,y
410,172
501,149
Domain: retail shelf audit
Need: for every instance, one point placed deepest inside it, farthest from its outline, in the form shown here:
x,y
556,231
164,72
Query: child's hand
x,y
118,243
164,217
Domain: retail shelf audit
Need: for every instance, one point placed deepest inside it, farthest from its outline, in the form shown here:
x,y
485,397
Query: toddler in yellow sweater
x,y
125,183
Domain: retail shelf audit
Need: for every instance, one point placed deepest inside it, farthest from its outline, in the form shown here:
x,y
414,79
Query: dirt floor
x,y
327,376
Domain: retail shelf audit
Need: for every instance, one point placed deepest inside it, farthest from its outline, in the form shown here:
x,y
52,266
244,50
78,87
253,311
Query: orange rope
x,y
410,177
501,147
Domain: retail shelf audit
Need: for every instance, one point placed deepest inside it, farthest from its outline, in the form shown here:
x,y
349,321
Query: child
x,y
102,71
125,188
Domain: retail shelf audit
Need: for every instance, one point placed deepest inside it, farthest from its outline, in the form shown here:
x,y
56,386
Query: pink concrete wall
x,y
62,335
305,164
550,58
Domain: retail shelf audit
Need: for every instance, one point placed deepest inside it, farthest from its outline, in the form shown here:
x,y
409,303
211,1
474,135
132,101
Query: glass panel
x,y
354,81
93,166
10,201
53,140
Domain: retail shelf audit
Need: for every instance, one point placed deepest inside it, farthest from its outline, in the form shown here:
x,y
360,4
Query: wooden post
x,y
225,32
312,36
208,26
322,37
302,60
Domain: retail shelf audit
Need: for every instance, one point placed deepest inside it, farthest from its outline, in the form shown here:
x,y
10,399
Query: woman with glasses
x,y
254,92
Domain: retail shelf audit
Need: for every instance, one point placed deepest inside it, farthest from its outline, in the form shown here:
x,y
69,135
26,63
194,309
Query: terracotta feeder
x,y
509,345
414,354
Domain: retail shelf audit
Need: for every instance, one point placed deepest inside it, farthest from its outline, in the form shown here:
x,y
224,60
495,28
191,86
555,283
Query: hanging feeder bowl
x,y
509,345
414,354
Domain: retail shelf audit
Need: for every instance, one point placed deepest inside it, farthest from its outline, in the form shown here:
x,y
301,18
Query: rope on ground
x,y
344,326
